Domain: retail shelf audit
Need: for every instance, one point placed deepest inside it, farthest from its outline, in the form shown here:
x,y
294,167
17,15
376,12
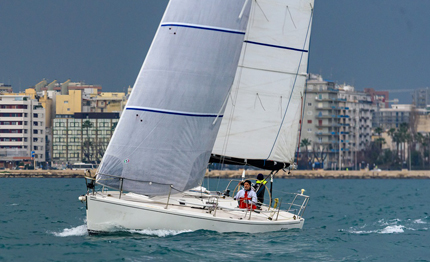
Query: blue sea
x,y
41,219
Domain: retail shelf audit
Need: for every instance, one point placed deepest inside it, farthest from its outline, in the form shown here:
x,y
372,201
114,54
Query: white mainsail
x,y
262,115
168,128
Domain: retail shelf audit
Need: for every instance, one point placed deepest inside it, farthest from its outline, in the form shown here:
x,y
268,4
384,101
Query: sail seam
x,y
276,46
211,28
172,112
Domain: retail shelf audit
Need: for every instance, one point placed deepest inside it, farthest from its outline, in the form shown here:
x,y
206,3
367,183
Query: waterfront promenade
x,y
252,174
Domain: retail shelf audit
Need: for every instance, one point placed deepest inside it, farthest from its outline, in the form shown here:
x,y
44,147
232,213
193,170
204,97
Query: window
x,y
309,104
309,130
66,102
68,109
35,131
35,115
309,121
34,147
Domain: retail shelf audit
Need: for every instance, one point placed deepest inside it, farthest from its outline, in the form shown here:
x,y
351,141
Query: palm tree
x,y
380,141
87,124
306,143
378,131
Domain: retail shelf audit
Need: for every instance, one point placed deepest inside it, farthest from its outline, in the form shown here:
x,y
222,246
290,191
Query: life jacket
x,y
261,182
245,202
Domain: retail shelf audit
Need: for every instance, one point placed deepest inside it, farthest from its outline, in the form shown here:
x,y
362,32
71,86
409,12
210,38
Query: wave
x,y
392,229
419,221
74,231
391,226
159,232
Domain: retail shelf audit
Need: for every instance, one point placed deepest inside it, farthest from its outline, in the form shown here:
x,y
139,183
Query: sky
x,y
380,44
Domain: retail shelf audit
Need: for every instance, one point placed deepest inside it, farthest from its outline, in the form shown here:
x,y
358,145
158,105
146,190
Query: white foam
x,y
159,232
419,221
392,229
361,232
384,222
74,231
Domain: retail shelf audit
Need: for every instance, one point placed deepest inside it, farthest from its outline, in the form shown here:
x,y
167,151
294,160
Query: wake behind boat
x,y
222,82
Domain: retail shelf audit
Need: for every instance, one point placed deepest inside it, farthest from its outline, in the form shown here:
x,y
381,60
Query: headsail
x,y
261,119
167,130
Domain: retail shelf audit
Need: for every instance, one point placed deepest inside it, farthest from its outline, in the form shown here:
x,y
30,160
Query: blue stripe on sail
x,y
207,28
168,112
277,46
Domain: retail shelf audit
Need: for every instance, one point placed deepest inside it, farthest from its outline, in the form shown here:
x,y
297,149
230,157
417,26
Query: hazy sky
x,y
383,44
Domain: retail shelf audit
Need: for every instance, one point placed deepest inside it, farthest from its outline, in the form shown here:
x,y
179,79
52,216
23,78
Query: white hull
x,y
108,213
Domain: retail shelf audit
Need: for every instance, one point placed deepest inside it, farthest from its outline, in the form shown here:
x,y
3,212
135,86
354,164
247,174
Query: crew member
x,y
260,188
247,197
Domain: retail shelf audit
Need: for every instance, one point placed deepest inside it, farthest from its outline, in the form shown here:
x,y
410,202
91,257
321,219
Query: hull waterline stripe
x,y
219,29
169,112
277,46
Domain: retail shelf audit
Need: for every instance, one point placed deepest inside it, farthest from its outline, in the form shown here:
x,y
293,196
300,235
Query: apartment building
x,y
82,137
337,120
22,130
421,97
392,117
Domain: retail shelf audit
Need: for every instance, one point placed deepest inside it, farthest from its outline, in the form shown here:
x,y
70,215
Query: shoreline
x,y
252,174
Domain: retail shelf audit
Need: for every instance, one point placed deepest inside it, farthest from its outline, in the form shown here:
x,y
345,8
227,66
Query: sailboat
x,y
221,82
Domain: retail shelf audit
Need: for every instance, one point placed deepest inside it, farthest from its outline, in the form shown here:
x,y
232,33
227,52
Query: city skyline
x,y
366,44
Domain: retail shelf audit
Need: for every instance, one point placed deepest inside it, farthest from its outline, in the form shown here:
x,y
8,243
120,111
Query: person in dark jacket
x,y
260,189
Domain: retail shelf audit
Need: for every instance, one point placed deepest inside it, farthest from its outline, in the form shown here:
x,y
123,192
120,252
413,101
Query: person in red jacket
x,y
247,197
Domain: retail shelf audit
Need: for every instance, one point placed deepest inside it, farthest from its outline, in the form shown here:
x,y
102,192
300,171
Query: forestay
x,y
261,119
168,128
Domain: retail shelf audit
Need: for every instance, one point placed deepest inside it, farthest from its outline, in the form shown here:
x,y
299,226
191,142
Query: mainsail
x,y
261,119
168,128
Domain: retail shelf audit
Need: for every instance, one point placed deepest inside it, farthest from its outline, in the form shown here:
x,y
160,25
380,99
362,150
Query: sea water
x,y
346,220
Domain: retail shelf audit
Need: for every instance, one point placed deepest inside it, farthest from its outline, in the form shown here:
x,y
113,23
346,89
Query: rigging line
x,y
291,17
262,10
273,71
294,85
222,108
261,103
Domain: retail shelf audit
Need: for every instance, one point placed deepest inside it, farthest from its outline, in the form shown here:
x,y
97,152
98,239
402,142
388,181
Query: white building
x,y
22,130
337,120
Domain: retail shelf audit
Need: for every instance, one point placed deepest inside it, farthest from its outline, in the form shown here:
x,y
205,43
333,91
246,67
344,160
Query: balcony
x,y
325,116
11,126
12,143
12,135
326,133
328,125
324,108
330,142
